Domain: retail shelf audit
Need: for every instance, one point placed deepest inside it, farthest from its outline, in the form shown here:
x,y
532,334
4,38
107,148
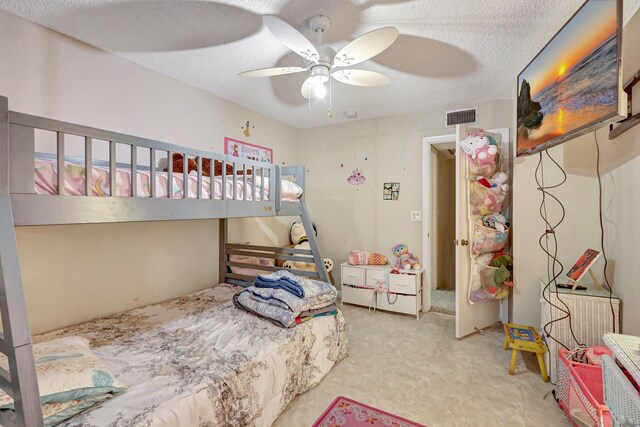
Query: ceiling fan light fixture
x,y
320,73
318,89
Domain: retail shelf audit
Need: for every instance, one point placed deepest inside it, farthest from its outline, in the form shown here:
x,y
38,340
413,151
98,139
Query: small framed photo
x,y
391,191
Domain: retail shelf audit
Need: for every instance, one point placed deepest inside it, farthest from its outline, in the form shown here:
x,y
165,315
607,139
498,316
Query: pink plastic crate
x,y
580,392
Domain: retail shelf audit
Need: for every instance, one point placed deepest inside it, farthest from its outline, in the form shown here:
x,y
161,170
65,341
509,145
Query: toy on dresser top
x,y
359,257
405,259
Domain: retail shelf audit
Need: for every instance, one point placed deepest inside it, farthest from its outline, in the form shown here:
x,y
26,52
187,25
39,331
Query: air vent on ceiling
x,y
459,117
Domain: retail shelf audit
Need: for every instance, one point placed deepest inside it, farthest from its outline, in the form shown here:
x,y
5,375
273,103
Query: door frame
x,y
428,242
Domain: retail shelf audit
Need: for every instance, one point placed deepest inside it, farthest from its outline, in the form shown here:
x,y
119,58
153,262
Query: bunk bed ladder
x,y
311,237
20,381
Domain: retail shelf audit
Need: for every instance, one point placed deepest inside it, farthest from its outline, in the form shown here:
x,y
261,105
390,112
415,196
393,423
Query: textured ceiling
x,y
450,54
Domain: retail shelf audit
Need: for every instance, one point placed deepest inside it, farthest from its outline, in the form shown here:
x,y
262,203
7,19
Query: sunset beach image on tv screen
x,y
573,82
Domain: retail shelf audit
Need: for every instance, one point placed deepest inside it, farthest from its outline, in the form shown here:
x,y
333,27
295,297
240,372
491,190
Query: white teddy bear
x,y
299,238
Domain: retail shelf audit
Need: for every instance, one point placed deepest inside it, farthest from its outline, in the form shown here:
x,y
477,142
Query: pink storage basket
x,y
580,392
483,200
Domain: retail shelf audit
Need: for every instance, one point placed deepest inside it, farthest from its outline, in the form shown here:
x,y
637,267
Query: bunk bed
x,y
133,191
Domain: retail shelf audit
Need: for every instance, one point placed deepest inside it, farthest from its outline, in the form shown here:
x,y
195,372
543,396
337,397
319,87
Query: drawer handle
x,y
353,275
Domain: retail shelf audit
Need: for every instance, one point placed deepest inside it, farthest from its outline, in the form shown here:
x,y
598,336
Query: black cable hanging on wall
x,y
548,242
602,248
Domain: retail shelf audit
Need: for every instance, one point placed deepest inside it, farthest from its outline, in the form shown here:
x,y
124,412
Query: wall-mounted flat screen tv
x,y
573,85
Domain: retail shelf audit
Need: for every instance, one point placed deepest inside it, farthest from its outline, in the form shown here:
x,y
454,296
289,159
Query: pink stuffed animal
x,y
480,148
485,155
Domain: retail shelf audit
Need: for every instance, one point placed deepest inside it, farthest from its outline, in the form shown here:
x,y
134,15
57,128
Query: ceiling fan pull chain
x,y
330,112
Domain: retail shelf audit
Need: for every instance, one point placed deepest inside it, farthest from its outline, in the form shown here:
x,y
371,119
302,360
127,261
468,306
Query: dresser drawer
x,y
353,276
377,276
403,283
357,296
398,303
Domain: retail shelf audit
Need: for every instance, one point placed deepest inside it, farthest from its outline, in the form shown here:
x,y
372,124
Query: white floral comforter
x,y
199,361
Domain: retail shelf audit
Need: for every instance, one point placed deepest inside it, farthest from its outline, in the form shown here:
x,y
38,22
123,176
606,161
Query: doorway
x,y
443,212
444,252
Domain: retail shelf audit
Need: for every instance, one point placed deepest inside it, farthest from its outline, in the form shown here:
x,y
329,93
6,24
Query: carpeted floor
x,y
417,369
443,302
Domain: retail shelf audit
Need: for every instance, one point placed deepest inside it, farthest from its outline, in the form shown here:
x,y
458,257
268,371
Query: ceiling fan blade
x,y
366,46
268,72
361,77
313,88
291,38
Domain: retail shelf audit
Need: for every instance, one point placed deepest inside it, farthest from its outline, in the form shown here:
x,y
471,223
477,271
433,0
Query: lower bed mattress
x,y
199,361
46,178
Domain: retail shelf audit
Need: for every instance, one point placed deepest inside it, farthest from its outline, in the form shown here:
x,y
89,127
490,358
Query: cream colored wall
x,y
355,217
620,166
446,222
74,273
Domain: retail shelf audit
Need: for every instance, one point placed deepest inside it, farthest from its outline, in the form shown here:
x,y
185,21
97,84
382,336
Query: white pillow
x,y
291,189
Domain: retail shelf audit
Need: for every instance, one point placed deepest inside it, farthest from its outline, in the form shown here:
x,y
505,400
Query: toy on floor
x,y
405,259
299,240
524,338
359,257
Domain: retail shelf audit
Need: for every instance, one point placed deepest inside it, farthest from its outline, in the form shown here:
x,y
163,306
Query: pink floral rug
x,y
344,412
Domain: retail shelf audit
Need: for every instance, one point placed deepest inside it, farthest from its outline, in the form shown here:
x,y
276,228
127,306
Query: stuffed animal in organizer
x,y
359,257
480,148
498,180
496,221
298,237
405,259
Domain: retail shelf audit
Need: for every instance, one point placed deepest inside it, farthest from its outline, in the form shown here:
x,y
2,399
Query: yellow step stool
x,y
524,338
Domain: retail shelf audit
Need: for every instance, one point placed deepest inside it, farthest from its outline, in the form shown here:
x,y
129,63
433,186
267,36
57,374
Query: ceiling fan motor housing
x,y
320,72
319,23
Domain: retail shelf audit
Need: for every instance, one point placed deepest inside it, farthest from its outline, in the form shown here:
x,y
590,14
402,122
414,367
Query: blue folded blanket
x,y
297,285
281,279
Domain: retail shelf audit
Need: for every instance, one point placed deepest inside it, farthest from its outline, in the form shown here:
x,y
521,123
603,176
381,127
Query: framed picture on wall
x,y
246,150
391,191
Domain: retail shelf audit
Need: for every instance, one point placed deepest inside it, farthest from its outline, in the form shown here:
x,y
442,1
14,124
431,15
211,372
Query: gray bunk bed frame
x,y
20,206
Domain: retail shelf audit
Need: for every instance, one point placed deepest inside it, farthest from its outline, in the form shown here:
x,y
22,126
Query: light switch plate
x,y
416,216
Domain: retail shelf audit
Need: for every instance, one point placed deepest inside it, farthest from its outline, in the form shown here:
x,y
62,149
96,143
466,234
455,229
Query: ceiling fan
x,y
322,62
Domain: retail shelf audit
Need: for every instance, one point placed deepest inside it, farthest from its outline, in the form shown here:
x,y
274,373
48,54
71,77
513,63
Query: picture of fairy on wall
x,y
391,191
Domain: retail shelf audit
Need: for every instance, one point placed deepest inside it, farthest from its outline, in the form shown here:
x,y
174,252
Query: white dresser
x,y
590,319
401,293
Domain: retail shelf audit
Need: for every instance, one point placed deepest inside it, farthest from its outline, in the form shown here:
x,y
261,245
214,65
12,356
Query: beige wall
x,y
620,166
446,222
387,149
74,273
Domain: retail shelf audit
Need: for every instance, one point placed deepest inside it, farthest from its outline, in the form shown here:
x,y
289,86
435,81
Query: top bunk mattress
x,y
197,360
46,178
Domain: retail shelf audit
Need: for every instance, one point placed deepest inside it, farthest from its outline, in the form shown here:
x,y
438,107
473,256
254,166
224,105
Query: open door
x,y
471,317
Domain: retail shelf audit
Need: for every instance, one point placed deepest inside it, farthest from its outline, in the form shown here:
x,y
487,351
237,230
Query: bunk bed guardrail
x,y
253,191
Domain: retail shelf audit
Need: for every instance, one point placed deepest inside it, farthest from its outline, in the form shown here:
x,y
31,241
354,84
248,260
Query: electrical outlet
x,y
416,216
